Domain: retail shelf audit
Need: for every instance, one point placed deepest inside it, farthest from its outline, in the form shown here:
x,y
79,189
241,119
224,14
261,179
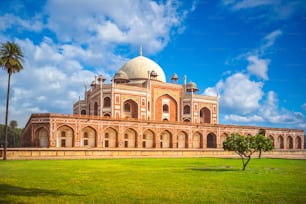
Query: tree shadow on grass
x,y
214,169
7,190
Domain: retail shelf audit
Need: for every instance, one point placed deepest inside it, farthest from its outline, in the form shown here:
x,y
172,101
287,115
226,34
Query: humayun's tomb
x,y
139,110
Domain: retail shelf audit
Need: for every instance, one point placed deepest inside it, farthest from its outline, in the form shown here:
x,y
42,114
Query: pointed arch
x,y
211,140
130,108
166,139
298,142
280,142
166,107
130,138
110,138
205,115
182,140
224,136
289,142
197,140
148,139
107,102
272,139
88,137
43,137
65,136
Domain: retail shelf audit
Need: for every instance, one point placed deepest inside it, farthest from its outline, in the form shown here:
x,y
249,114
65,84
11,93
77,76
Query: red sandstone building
x,y
139,109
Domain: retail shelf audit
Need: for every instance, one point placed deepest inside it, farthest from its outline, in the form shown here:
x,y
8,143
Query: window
x,y
165,108
96,108
107,102
85,134
126,136
63,134
85,142
83,112
186,109
106,135
127,107
63,143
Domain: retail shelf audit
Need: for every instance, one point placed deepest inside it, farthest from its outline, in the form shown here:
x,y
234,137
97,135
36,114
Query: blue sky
x,y
252,52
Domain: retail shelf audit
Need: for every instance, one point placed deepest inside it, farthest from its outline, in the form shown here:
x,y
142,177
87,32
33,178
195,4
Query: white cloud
x,y
258,67
243,119
238,94
269,40
8,21
103,23
269,9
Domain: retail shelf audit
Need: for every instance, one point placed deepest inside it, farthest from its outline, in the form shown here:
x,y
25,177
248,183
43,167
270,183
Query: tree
x,y
11,57
262,144
13,126
244,146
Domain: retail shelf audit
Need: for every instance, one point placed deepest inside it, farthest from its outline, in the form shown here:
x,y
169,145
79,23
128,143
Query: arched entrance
x,y
110,138
65,136
298,142
42,135
130,109
148,139
205,115
182,140
130,138
166,108
165,139
211,140
88,137
280,142
289,142
272,139
197,140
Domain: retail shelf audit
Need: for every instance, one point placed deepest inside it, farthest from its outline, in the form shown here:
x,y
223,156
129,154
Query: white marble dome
x,y
138,67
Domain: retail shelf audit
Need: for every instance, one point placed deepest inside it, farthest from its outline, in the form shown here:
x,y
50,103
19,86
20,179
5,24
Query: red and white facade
x,y
139,109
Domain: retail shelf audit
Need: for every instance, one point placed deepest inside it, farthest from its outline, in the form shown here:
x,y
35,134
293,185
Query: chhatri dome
x,y
138,68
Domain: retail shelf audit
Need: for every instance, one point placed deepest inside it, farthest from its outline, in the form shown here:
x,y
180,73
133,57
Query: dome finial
x,y
140,50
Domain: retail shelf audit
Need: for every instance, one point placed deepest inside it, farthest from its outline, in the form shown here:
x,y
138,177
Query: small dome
x,y
191,87
137,69
121,77
153,74
174,77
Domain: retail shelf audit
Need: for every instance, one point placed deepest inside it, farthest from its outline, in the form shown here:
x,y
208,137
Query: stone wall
x,y
94,153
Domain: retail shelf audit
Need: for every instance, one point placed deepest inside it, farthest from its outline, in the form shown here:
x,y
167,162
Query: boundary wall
x,y
82,153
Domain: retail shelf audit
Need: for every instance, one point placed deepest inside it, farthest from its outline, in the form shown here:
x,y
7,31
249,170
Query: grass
x,y
177,180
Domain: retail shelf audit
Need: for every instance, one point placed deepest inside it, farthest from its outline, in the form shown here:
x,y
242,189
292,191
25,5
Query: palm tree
x,y
10,60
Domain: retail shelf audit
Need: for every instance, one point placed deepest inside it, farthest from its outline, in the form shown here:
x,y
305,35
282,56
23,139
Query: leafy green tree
x,y
11,57
244,146
262,144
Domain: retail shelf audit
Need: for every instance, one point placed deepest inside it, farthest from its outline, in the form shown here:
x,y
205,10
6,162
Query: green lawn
x,y
177,180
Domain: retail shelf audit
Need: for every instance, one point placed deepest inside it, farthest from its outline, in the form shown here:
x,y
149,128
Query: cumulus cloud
x,y
239,94
258,67
242,98
71,41
138,22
